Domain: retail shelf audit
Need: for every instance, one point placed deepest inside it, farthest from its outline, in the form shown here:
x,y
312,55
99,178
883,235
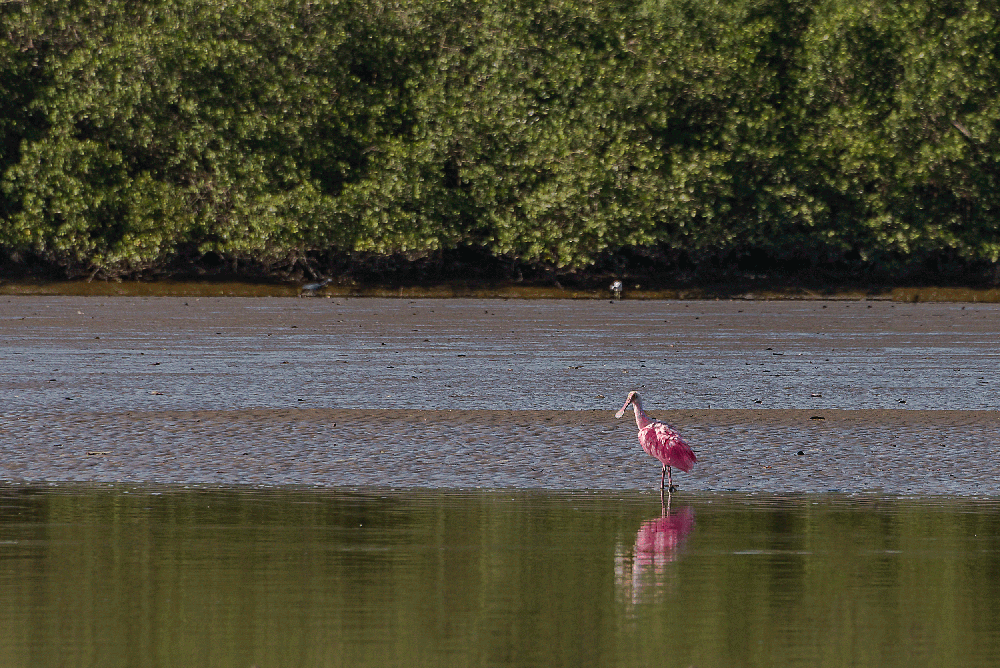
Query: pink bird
x,y
660,441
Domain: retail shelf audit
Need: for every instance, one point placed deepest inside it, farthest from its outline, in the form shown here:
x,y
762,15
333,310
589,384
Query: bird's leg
x,y
670,480
661,478
665,504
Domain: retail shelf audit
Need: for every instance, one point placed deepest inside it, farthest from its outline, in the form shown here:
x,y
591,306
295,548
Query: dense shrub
x,y
775,133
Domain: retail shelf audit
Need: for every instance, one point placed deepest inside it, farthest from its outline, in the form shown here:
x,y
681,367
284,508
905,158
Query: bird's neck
x,y
641,419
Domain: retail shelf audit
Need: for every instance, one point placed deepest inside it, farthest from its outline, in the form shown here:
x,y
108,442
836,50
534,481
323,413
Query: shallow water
x,y
112,354
861,452
168,576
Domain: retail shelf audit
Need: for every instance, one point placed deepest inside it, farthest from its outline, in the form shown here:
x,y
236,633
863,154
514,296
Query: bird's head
x,y
633,398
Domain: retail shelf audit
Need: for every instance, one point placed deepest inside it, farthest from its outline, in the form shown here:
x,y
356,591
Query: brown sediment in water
x,y
502,419
484,290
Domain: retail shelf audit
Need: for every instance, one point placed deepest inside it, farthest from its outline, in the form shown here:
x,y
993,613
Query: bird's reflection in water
x,y
643,571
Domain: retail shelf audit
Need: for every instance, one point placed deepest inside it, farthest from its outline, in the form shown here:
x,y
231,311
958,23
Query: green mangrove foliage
x,y
551,132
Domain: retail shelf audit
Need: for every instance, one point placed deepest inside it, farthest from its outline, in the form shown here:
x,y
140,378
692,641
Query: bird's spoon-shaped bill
x,y
621,411
633,397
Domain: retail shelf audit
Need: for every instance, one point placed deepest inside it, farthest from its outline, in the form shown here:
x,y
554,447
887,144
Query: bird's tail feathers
x,y
683,457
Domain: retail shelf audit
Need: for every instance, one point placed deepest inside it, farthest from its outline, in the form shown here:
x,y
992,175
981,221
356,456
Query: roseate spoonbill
x,y
660,441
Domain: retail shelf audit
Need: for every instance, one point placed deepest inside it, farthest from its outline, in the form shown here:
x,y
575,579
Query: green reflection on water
x,y
230,577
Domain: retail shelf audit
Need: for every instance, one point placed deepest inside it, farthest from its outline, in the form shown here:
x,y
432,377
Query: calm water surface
x,y
169,576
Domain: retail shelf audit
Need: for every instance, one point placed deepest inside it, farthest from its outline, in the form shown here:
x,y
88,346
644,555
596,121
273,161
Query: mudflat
x,y
788,397
791,450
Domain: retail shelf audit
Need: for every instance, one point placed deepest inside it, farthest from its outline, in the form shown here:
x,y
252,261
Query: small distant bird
x,y
311,288
616,289
660,441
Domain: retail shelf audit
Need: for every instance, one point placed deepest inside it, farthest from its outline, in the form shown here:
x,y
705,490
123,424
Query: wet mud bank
x,y
491,290
898,452
870,397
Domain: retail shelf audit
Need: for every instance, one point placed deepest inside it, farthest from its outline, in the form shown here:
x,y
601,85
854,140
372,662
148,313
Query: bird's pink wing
x,y
662,442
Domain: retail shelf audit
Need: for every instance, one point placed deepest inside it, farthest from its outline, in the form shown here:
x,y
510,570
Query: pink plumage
x,y
659,441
